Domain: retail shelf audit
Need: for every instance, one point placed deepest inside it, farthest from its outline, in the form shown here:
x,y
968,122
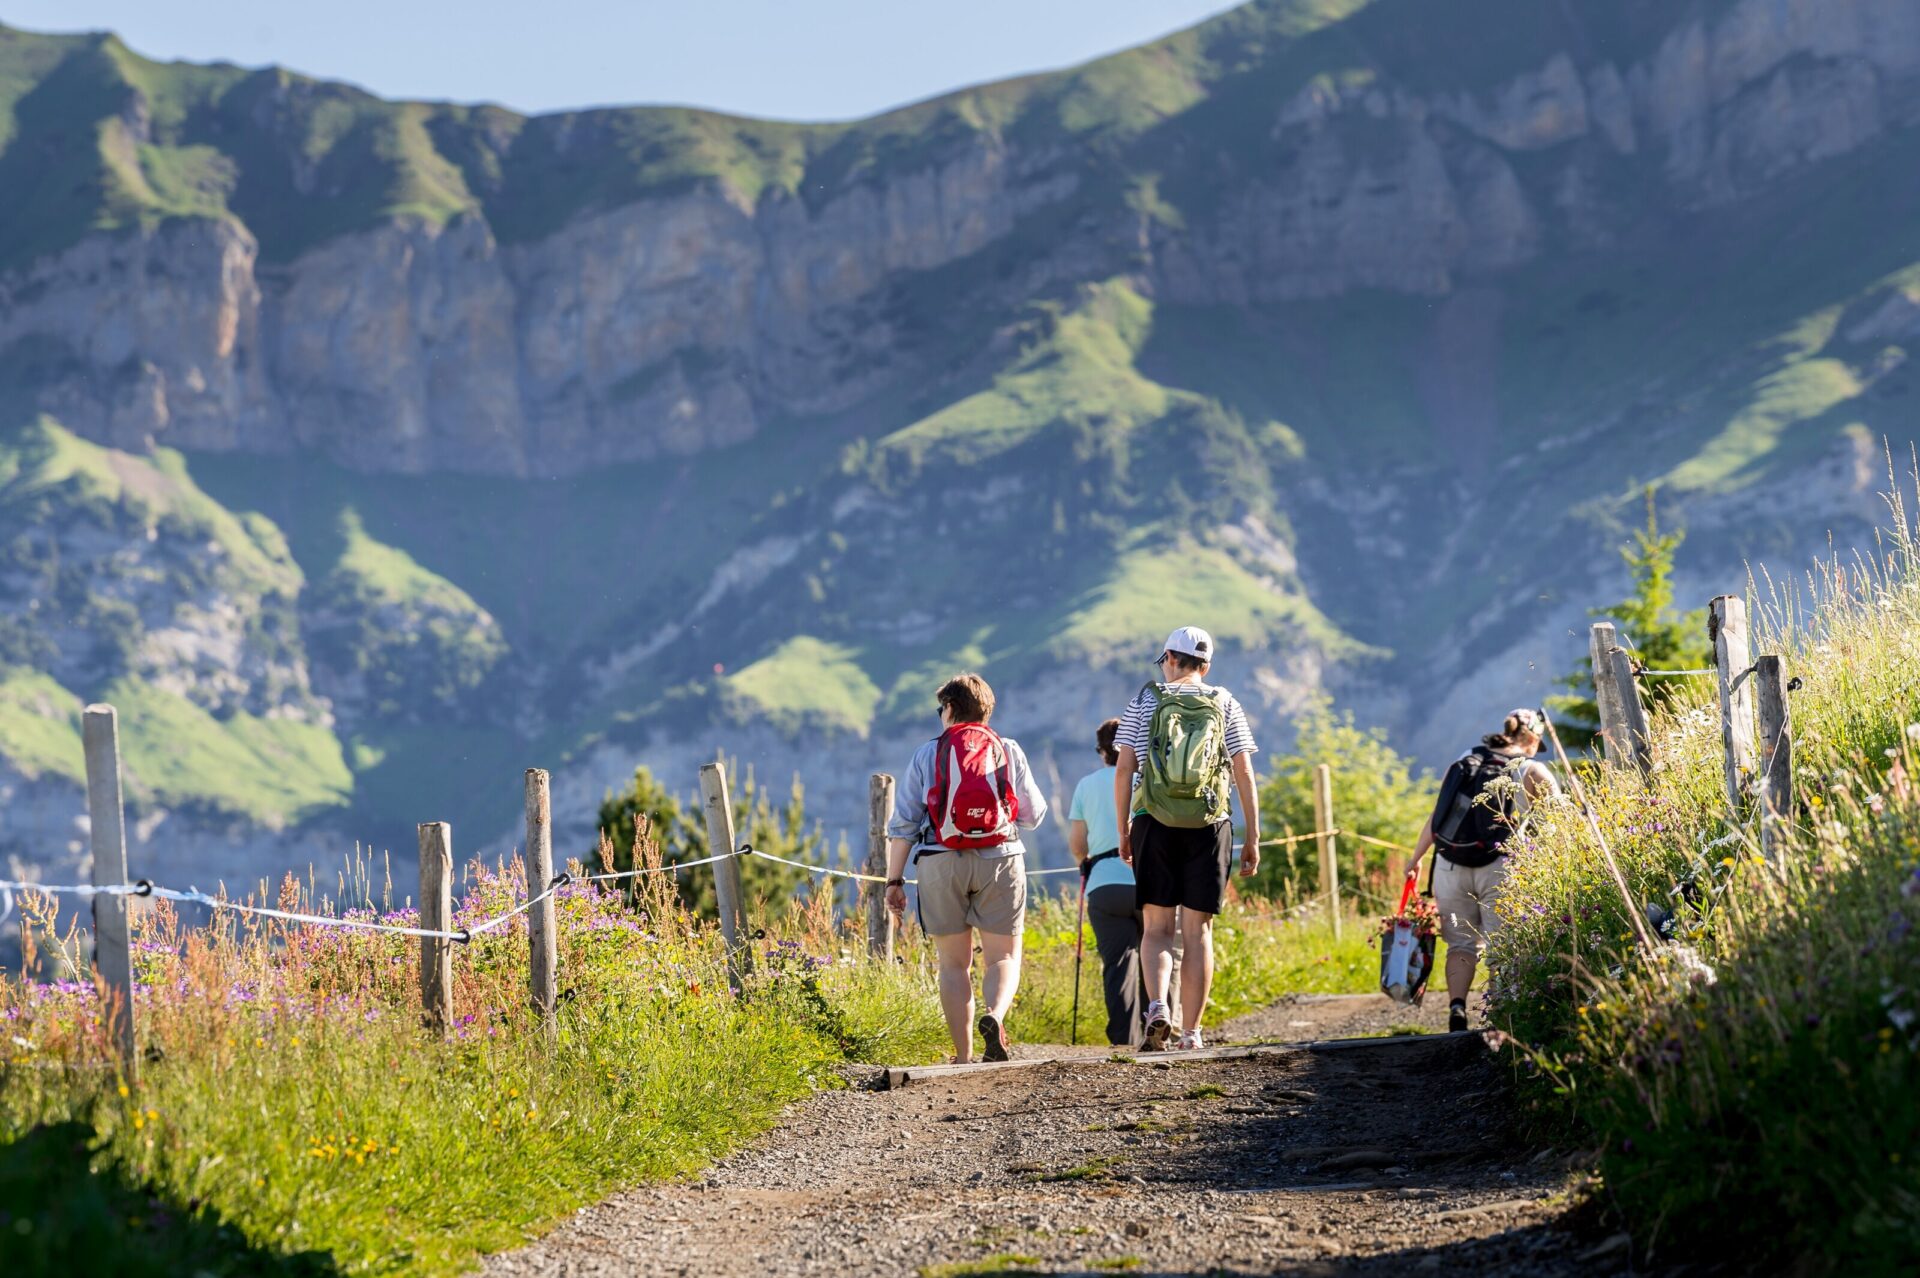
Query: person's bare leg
x,y
955,955
1196,966
1157,939
1460,964
1000,955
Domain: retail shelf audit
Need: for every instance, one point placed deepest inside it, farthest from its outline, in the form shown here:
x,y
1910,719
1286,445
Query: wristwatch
x,y
896,882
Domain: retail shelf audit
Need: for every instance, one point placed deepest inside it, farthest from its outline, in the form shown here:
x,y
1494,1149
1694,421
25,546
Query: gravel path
x,y
1390,1158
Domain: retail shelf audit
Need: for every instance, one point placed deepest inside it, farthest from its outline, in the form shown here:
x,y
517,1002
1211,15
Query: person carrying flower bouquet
x,y
1483,800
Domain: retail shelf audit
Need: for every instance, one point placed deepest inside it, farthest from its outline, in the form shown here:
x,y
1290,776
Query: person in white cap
x,y
1190,747
1483,801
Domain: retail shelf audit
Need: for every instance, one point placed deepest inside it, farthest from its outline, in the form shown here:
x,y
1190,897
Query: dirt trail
x,y
1388,1159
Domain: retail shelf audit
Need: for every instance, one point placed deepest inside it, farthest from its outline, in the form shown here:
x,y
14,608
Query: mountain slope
x,y
1347,329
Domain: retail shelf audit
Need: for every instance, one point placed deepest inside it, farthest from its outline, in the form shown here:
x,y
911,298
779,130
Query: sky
x,y
787,59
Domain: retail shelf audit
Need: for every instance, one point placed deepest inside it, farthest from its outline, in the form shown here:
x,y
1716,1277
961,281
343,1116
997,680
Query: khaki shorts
x,y
1465,896
962,889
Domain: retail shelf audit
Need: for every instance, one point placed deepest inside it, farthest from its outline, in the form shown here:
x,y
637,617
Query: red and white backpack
x,y
972,803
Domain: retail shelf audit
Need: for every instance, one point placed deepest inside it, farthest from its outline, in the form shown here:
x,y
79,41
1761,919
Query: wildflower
x,y
122,1089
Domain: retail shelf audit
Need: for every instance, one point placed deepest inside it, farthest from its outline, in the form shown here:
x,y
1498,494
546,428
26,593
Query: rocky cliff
x,y
1301,151
366,453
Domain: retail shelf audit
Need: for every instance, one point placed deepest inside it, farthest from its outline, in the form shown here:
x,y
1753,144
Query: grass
x,y
1005,1262
40,726
806,682
1770,1050
1207,1091
272,771
299,1119
43,464
1151,582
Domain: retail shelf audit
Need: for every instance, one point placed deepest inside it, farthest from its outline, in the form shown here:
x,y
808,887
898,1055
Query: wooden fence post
x,y
1614,734
1727,627
1329,856
728,894
1633,712
1776,752
107,822
436,913
879,918
543,944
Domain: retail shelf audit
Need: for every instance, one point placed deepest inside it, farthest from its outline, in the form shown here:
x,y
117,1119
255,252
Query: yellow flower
x,y
138,1122
123,1090
154,1114
1815,800
1726,861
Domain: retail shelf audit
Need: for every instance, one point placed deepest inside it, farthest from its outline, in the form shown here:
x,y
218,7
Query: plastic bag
x,y
1406,948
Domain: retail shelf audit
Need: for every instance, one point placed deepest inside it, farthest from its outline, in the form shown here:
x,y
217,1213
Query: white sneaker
x,y
1158,1028
1189,1042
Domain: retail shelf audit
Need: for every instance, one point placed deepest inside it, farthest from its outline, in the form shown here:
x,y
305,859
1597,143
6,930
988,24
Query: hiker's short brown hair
x,y
967,698
1103,740
1185,661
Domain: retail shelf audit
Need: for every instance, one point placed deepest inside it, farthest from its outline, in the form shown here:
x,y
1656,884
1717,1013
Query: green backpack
x,y
1183,779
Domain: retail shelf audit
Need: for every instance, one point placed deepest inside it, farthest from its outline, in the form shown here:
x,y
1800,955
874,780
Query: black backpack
x,y
1473,816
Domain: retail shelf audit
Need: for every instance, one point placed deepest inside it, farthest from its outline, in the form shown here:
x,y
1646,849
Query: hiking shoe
x,y
1190,1042
1456,1017
1158,1028
996,1036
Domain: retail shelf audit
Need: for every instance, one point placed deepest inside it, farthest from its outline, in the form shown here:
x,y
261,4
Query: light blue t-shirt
x,y
1093,803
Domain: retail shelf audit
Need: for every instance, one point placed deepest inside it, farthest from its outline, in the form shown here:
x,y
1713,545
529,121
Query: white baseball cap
x,y
1190,641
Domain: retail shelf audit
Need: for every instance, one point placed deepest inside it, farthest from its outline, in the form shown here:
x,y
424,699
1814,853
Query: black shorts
x,y
1175,866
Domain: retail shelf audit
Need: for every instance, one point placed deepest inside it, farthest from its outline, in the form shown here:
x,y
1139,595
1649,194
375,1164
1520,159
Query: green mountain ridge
x,y
1350,330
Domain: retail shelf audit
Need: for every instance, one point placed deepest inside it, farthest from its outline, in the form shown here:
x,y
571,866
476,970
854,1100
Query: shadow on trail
x,y
1407,1115
61,1216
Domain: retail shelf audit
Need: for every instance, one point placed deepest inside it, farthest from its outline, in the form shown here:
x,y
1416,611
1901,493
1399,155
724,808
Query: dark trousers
x,y
1115,915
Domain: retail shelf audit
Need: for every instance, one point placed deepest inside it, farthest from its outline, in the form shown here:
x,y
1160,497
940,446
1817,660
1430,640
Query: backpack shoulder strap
x,y
1449,790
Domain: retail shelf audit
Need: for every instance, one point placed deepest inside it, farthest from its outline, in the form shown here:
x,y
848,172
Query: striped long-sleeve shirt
x,y
1137,722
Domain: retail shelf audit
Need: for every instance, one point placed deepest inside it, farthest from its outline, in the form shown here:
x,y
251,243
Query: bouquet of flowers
x,y
1406,947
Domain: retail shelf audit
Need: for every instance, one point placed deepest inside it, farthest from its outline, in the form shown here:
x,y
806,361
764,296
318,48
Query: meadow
x,y
1765,1052
291,1115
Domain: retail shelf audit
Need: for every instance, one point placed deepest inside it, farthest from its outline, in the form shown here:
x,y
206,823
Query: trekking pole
x,y
1079,952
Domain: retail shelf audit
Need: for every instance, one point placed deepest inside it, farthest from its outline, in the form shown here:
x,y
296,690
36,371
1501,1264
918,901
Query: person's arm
x,y
909,818
1421,846
897,852
1540,782
1123,800
1249,811
1033,804
1077,840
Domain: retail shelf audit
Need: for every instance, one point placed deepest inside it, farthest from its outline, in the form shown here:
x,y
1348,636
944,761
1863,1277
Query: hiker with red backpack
x,y
1483,800
1190,747
957,815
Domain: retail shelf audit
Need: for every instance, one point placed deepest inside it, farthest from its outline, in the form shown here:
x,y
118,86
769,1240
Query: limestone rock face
x,y
135,334
691,318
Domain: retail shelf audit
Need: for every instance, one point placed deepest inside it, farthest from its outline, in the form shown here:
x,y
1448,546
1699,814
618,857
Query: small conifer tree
x,y
1660,638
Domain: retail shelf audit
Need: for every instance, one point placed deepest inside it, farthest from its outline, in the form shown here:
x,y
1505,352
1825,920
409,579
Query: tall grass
x,y
294,1116
295,1106
1766,1058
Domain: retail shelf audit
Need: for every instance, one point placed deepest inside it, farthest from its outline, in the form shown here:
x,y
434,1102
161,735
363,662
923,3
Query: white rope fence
x,y
144,888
